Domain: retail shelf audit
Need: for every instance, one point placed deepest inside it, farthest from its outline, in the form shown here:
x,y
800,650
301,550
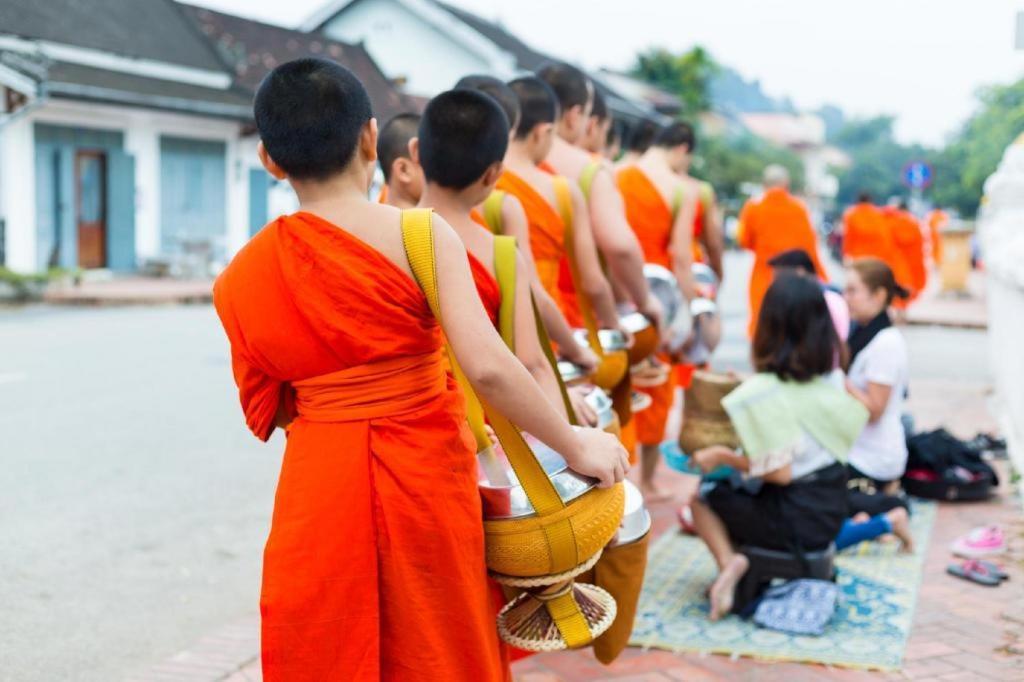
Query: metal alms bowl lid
x,y
636,520
602,405
634,322
570,372
665,287
611,339
510,501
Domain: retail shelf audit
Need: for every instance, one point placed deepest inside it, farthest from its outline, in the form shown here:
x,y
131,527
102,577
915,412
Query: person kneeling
x,y
786,489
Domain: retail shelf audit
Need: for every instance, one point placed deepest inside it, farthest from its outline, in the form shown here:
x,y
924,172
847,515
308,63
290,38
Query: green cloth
x,y
771,415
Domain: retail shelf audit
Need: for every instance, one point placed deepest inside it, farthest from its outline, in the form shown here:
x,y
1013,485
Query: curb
x,y
947,324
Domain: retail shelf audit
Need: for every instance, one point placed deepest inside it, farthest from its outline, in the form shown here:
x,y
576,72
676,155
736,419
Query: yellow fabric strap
x,y
505,273
545,345
492,211
418,239
571,622
705,193
677,202
563,198
587,177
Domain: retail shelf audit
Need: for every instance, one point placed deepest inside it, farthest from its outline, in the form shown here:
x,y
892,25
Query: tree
x,y
731,161
878,159
687,75
974,153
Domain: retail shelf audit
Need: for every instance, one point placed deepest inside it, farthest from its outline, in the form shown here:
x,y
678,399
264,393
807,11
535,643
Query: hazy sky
x,y
921,60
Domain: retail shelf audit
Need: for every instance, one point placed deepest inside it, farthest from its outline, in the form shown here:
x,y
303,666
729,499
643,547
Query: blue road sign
x,y
917,175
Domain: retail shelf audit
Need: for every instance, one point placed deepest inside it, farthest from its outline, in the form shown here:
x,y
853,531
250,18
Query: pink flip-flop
x,y
980,542
685,515
975,571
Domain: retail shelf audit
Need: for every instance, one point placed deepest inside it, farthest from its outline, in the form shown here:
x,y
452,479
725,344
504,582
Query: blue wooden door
x,y
120,211
259,195
193,193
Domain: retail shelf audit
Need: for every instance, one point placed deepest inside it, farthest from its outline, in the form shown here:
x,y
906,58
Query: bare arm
x,y
716,456
875,398
592,282
712,237
528,348
516,225
502,381
680,246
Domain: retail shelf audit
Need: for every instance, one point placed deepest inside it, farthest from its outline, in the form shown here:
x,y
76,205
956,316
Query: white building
x,y
126,129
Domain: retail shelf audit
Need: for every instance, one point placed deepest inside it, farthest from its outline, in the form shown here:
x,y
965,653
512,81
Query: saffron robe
x,y
547,233
774,223
376,544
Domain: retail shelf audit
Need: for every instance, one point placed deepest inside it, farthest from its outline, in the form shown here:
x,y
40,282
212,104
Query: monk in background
x,y
600,132
660,211
708,240
637,140
376,544
865,234
512,221
937,221
770,224
535,190
908,239
615,240
403,178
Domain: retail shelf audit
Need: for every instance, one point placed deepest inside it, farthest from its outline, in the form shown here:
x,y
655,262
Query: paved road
x,y
133,502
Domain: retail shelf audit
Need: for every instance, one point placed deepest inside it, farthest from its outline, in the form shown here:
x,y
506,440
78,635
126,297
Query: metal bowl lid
x,y
602,405
634,322
665,288
570,371
636,520
611,339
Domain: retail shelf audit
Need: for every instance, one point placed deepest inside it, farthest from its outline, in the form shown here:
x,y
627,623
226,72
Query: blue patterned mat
x,y
878,589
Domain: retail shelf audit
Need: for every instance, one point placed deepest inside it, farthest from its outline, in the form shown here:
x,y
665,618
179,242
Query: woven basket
x,y
705,421
522,548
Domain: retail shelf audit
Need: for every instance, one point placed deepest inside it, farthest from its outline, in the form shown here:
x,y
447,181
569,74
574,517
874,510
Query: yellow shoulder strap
x,y
563,199
492,211
587,177
677,202
418,239
505,273
706,193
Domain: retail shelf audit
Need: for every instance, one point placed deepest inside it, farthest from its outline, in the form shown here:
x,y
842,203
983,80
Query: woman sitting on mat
x,y
796,424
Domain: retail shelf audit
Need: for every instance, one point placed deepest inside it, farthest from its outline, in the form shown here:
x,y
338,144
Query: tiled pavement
x,y
961,631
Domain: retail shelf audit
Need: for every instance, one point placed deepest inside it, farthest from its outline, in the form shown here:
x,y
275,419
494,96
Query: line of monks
x,y
374,568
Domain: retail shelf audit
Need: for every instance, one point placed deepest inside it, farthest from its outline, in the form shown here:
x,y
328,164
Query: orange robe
x,y
376,545
865,233
909,241
547,233
901,259
651,219
774,223
937,220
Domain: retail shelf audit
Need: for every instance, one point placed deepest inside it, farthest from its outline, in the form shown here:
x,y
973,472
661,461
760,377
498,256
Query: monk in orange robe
x,y
403,178
510,219
908,251
865,234
376,545
535,190
769,225
660,211
937,221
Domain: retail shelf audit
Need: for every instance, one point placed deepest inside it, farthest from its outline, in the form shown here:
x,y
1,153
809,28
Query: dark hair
x,y
864,197
614,135
877,275
310,113
641,135
393,141
462,134
496,88
795,338
537,104
794,258
600,108
571,86
675,135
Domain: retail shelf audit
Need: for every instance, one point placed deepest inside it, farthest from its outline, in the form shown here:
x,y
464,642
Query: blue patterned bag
x,y
798,607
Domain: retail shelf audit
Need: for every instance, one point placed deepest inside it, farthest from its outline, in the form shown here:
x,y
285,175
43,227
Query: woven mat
x,y
870,629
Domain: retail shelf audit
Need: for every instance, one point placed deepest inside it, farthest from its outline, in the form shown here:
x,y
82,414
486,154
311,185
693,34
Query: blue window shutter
x,y
66,210
259,189
120,211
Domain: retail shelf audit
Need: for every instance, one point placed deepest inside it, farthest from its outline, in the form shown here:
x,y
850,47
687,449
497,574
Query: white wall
x,y
18,190
404,45
142,129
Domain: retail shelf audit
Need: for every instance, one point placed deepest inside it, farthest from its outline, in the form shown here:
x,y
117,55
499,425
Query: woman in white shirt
x,y
877,377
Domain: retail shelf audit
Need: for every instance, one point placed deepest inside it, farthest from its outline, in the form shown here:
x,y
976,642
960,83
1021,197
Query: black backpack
x,y
942,467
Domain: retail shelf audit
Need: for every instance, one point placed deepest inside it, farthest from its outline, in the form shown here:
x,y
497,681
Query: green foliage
x,y
731,161
687,75
962,167
878,160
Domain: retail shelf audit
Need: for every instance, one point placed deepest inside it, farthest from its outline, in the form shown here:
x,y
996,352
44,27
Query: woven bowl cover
x,y
705,421
521,548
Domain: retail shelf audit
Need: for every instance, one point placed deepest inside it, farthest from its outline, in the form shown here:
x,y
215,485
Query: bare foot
x,y
860,517
900,521
652,493
724,589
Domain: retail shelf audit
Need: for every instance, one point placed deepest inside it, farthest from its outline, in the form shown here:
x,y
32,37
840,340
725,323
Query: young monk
x,y
908,243
535,190
770,224
708,241
660,211
612,234
513,222
403,177
462,140
376,545
599,129
637,141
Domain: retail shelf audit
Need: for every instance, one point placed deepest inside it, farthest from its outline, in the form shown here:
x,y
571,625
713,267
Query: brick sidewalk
x,y
132,291
935,307
961,631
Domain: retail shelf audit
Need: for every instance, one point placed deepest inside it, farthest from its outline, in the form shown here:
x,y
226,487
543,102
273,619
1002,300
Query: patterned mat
x,y
869,630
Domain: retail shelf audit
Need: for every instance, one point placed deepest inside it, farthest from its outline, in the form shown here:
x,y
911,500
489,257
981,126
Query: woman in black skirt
x,y
787,489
